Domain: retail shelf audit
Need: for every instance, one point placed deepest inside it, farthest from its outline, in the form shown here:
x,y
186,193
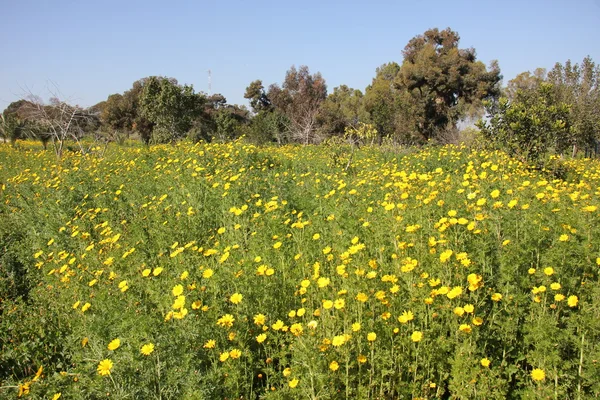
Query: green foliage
x,y
170,107
299,99
341,109
259,100
525,81
579,86
443,80
228,122
268,127
435,232
363,133
11,128
383,102
531,127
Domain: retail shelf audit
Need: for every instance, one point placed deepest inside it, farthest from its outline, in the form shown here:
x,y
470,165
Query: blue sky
x,y
92,49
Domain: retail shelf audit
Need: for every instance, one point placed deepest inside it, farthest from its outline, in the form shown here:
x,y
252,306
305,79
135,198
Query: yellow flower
x,y
338,340
572,301
466,328
538,374
469,308
85,307
477,321
334,366
157,271
455,292
445,256
362,359
459,311
177,290
104,367
339,304
322,282
555,286
485,362
327,304
236,298
226,320
277,245
548,271
362,297
296,329
277,325
223,356
405,317
287,372
179,302
261,338
56,396
210,344
371,336
260,319
531,271
564,238
146,272
147,349
235,354
114,344
559,297
293,383
496,297
207,273
316,236
416,336
356,327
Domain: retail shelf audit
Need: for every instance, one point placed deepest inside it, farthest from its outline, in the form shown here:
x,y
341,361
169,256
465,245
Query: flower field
x,y
227,271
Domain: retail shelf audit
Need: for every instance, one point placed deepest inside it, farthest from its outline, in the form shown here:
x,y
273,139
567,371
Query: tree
x,y
443,80
11,128
268,124
382,102
529,127
228,120
13,124
299,99
525,81
579,86
121,112
255,93
170,107
341,109
58,120
115,114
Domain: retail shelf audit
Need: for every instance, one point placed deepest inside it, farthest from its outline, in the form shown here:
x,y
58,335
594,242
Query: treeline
x,y
437,88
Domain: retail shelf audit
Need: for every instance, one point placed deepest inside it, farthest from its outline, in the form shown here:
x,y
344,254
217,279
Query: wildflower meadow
x,y
231,271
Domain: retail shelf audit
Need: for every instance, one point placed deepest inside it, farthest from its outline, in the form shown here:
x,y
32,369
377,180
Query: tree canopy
x,y
443,80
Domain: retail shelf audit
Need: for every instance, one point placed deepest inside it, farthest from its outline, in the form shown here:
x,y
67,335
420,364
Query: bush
x,y
531,127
